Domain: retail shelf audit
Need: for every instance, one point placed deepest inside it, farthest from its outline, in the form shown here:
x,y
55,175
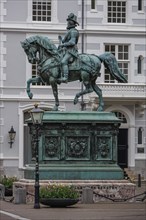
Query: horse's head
x,y
31,50
43,45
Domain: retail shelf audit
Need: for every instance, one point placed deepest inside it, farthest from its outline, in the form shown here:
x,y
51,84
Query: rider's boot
x,y
65,74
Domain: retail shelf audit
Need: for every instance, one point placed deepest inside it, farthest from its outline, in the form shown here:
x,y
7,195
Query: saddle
x,y
74,64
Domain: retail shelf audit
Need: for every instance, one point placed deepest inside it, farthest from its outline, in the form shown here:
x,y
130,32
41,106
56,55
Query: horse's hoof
x,y
76,101
100,109
30,95
55,108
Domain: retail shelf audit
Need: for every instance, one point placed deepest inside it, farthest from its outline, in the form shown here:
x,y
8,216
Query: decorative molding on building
x,y
140,109
139,156
1,121
1,139
1,104
3,11
122,91
2,59
59,28
1,155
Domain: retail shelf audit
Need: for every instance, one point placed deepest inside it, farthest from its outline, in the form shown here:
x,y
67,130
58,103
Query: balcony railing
x,y
122,90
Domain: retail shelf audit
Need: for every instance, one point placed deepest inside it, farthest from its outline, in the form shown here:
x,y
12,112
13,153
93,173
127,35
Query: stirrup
x,y
64,79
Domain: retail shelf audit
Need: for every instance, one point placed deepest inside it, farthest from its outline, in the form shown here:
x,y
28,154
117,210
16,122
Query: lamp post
x,y
36,116
82,51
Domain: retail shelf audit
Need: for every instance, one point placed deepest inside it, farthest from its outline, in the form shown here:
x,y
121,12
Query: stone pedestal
x,y
77,146
102,190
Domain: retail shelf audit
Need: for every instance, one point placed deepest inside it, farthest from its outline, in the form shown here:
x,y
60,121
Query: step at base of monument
x,y
77,173
103,190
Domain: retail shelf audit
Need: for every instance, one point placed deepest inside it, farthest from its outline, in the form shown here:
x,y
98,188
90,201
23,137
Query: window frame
x,y
34,74
42,15
140,5
116,12
120,116
140,143
93,5
139,64
140,136
122,62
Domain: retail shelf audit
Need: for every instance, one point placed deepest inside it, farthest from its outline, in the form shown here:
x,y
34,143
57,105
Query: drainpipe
x,y
82,51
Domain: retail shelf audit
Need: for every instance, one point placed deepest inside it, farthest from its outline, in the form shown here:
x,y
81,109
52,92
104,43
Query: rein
x,y
51,66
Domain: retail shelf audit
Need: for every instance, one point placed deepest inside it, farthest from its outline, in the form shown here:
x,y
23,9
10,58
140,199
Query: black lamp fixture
x,y
36,117
12,135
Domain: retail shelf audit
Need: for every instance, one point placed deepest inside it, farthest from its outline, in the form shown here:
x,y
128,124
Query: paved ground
x,y
107,211
98,211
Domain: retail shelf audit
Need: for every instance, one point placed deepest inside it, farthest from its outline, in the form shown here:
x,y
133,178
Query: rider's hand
x,y
60,38
60,47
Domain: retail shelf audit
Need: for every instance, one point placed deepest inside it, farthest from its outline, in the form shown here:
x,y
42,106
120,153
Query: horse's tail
x,y
111,64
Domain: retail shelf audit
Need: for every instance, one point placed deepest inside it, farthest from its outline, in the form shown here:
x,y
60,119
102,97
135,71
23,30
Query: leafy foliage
x,y
8,181
58,191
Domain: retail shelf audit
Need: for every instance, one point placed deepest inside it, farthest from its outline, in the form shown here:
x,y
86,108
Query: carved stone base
x,y
103,190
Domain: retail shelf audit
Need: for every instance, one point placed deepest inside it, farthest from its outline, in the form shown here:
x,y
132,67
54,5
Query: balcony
x,y
136,92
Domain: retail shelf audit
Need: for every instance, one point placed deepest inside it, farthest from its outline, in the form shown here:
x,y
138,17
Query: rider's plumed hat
x,y
72,17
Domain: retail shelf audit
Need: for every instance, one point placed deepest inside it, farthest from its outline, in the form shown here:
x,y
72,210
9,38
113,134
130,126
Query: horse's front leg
x,y
30,81
55,93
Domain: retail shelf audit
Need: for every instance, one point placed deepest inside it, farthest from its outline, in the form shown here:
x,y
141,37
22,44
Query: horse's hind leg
x,y
99,93
88,89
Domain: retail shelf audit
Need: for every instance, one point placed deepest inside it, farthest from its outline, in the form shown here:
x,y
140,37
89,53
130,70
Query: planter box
x,y
58,202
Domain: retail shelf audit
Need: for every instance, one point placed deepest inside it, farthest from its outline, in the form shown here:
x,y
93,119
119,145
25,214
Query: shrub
x,y
8,181
58,191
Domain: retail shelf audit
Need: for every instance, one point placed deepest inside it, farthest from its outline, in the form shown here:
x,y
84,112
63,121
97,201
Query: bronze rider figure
x,y
69,42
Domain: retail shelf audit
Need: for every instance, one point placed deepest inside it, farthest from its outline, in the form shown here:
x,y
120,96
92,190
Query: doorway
x,y
123,148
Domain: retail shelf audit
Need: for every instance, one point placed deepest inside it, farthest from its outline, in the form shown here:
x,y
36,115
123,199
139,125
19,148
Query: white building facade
x,y
105,25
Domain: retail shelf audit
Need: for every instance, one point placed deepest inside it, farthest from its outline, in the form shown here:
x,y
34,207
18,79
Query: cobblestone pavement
x,y
107,211
97,211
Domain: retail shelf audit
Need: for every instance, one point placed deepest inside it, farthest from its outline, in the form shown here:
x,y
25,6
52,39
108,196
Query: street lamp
x,y
12,135
37,117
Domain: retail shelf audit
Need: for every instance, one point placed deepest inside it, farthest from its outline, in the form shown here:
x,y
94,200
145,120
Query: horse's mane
x,y
44,42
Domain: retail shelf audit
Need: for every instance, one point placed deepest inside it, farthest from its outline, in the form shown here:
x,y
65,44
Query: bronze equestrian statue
x,y
64,64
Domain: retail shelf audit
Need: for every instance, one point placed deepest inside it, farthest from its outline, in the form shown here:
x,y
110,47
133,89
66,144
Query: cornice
x,y
55,29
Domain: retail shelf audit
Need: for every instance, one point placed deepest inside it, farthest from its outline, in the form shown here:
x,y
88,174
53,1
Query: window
x,y
140,5
121,53
139,65
93,5
140,148
121,117
34,74
140,136
116,12
41,10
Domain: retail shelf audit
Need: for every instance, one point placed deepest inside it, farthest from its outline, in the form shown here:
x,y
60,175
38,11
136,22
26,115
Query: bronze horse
x,y
85,67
